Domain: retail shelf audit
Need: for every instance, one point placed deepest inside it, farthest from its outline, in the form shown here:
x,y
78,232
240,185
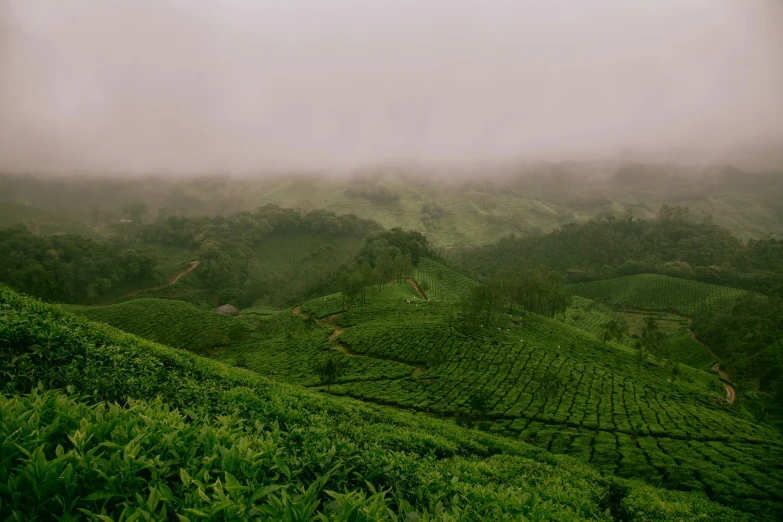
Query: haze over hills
x,y
410,260
455,207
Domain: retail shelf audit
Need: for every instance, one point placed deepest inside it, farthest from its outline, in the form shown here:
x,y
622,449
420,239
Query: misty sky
x,y
241,86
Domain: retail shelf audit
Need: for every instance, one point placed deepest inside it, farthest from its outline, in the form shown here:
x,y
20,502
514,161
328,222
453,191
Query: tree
x,y
641,355
550,383
135,210
673,369
330,370
351,285
651,337
614,329
478,405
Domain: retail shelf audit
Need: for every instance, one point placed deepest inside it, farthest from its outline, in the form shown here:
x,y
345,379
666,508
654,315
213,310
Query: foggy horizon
x,y
246,87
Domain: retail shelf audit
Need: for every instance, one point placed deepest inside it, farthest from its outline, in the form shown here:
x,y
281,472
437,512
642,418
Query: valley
x,y
496,350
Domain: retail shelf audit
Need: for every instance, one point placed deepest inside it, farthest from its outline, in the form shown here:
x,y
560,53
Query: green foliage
x,y
274,255
170,322
70,268
41,221
445,283
190,439
330,369
671,246
288,347
656,292
614,329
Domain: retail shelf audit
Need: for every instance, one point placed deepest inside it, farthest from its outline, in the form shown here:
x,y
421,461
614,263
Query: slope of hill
x,y
170,322
224,443
678,345
538,380
657,292
456,206
41,221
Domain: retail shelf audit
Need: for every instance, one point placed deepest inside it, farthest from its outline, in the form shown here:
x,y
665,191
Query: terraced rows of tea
x,y
590,316
607,407
658,292
620,418
442,282
220,443
170,322
289,347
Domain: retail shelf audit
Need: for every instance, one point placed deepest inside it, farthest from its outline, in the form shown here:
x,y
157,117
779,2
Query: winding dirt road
x,y
172,280
731,394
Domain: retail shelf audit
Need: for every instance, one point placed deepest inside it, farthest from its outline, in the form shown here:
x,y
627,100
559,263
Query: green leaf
x,y
101,495
263,492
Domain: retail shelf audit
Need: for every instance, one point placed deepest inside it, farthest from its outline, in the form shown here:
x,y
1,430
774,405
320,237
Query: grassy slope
x,y
286,255
678,346
240,447
170,322
606,408
41,221
657,292
480,217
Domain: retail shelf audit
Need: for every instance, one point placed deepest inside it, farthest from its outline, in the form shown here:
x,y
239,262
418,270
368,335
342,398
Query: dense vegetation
x,y
747,336
170,322
672,245
183,438
69,268
484,370
232,250
272,255
465,207
657,292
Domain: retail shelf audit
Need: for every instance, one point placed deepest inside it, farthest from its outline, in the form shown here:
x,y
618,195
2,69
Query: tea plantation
x,y
658,292
98,424
170,322
560,388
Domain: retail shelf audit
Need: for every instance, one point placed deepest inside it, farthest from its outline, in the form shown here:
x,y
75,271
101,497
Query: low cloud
x,y
247,86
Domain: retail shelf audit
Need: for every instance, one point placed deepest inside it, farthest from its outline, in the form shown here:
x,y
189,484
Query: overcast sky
x,y
198,86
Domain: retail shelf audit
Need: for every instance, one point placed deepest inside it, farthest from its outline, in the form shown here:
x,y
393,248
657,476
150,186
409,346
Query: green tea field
x,y
191,439
170,322
560,388
658,292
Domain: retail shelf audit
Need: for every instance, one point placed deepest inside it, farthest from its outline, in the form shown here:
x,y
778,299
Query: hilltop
x,y
454,206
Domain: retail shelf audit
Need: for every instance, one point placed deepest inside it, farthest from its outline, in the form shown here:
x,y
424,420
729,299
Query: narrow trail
x,y
172,280
731,393
331,321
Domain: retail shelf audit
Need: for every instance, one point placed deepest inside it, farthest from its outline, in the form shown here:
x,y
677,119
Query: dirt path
x,y
193,265
331,320
172,280
731,394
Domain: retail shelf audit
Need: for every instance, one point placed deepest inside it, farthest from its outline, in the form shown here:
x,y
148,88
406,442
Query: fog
x,y
235,86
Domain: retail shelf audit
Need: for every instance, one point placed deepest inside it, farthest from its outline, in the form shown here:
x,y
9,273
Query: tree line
x,y
541,291
69,268
386,255
675,244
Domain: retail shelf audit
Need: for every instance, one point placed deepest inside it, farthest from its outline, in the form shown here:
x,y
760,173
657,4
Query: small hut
x,y
226,309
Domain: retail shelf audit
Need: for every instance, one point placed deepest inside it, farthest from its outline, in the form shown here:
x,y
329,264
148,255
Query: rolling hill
x,y
658,292
41,221
533,379
116,426
170,322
